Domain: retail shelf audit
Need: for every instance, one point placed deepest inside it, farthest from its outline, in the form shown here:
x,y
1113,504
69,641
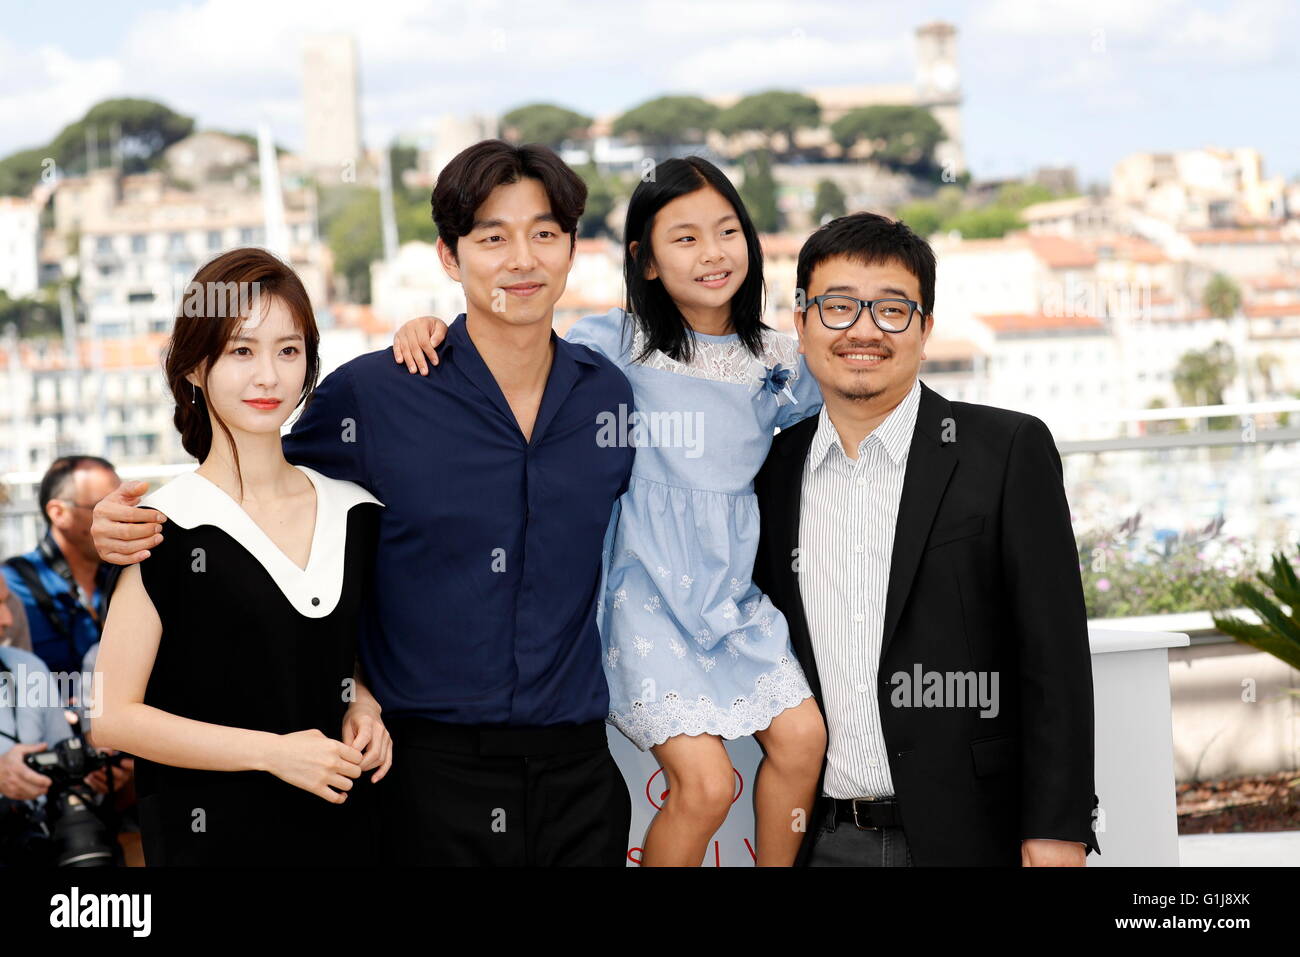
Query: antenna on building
x,y
68,315
386,217
277,236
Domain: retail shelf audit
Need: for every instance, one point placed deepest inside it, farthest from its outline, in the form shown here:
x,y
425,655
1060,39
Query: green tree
x,y
145,128
771,113
990,222
929,216
400,159
829,203
20,172
668,119
1019,195
350,224
602,196
1201,376
901,137
414,216
923,216
544,123
37,317
759,191
1222,297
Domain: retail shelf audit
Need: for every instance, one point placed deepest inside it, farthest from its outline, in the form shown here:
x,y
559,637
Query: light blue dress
x,y
690,645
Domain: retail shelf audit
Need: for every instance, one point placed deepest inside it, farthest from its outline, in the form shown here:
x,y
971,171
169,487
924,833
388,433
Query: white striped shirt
x,y
846,537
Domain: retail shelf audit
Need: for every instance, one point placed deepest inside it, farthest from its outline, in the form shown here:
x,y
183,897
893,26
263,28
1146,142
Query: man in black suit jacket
x,y
971,740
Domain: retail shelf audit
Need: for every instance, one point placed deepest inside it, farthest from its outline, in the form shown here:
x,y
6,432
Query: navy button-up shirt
x,y
484,602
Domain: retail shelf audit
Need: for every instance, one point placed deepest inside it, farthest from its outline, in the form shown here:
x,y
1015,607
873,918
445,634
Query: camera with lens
x,y
76,835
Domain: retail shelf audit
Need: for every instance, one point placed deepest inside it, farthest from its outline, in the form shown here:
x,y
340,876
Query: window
x,y
214,240
104,245
176,243
139,244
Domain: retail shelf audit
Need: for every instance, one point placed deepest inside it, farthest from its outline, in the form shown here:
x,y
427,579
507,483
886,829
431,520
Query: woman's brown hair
x,y
215,304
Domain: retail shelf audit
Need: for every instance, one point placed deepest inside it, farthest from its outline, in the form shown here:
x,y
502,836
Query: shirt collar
x,y
190,500
894,433
458,337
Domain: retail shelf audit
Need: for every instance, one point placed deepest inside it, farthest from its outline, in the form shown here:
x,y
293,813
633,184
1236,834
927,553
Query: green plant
x,y
1124,577
1279,630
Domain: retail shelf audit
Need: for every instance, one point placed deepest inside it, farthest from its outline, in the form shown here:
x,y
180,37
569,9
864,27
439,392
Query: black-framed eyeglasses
x,y
841,312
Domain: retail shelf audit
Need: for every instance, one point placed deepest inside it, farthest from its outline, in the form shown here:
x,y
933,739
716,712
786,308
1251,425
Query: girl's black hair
x,y
652,309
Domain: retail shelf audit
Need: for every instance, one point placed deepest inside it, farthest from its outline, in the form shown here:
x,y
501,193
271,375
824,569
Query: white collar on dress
x,y
190,500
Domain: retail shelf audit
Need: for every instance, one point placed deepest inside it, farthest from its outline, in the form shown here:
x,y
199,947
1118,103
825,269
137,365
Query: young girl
x,y
228,661
693,651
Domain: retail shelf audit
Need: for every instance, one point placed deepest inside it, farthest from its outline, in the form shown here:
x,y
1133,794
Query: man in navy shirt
x,y
480,638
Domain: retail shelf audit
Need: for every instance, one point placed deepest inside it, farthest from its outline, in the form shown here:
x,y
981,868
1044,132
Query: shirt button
x,y
315,601
874,763
857,548
858,616
862,688
862,481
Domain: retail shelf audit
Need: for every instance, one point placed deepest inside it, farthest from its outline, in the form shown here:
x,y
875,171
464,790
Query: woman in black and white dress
x,y
228,664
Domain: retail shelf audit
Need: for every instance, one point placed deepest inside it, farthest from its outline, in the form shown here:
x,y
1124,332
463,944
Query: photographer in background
x,y
44,822
62,584
23,730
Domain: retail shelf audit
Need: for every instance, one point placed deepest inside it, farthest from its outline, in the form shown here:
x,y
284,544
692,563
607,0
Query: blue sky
x,y
1081,83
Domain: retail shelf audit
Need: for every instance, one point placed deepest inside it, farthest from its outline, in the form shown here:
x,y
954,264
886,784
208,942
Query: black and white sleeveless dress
x,y
250,640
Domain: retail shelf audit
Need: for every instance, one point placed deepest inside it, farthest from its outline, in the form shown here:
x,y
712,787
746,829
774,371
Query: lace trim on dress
x,y
654,722
727,361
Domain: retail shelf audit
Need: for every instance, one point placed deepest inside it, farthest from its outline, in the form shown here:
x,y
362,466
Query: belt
x,y
868,813
497,740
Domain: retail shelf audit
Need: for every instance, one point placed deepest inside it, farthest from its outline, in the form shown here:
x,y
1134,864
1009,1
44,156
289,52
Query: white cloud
x,y
793,60
45,90
1249,33
1075,18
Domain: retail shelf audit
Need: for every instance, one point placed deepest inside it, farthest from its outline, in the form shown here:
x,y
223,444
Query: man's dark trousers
x,y
461,795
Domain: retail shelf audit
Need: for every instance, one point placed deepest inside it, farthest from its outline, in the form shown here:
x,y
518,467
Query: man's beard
x,y
862,393
859,395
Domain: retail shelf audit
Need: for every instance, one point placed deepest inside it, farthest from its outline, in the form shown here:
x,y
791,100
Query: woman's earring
x,y
194,393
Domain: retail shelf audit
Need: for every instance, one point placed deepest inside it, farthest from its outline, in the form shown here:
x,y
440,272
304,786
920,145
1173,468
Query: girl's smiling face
x,y
256,383
698,252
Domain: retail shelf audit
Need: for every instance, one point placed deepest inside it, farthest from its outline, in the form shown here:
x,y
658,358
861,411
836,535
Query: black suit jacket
x,y
984,577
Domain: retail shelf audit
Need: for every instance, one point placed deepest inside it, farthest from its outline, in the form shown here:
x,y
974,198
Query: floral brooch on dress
x,y
776,380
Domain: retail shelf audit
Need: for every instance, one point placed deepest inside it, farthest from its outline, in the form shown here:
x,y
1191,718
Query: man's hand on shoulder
x,y
123,533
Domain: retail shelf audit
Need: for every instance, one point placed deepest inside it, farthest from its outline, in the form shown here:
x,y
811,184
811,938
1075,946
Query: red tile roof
x,y
1061,253
1204,237
1035,322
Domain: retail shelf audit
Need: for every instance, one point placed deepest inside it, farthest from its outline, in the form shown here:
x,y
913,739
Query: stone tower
x,y
938,86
